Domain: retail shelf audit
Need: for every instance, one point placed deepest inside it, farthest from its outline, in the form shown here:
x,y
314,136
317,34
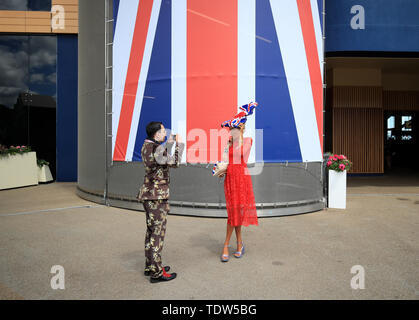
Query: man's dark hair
x,y
152,128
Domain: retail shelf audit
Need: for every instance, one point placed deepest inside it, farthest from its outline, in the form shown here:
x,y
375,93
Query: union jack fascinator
x,y
241,117
248,108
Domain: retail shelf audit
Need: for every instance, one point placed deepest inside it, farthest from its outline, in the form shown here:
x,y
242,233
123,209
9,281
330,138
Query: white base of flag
x,y
337,189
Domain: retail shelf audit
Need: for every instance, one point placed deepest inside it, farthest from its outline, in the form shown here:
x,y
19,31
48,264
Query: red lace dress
x,y
238,189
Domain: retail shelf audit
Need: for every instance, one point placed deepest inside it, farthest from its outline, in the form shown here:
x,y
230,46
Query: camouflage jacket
x,y
157,163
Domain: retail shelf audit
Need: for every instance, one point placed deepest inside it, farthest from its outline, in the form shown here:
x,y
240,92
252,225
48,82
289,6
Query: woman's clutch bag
x,y
219,168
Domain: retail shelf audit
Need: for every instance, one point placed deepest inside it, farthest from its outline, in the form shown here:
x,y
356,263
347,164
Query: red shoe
x,y
164,277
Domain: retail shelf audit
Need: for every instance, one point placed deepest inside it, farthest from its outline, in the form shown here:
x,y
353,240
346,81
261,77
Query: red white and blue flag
x,y
192,63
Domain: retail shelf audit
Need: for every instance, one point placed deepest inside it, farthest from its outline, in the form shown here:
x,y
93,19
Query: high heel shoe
x,y
225,257
238,254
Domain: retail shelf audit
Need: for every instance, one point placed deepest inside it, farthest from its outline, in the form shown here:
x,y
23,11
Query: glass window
x,y
390,127
13,68
27,64
406,123
24,5
39,5
390,135
28,93
390,122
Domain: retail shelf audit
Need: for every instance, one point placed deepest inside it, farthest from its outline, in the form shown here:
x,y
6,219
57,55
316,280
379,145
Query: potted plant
x,y
17,167
4,151
338,165
44,173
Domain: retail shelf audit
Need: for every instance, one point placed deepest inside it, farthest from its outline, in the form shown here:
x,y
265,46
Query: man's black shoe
x,y
148,273
164,277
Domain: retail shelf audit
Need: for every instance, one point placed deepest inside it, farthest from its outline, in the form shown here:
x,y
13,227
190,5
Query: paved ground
x,y
296,257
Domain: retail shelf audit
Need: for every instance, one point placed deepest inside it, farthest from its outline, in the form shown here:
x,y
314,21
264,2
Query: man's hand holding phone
x,y
173,138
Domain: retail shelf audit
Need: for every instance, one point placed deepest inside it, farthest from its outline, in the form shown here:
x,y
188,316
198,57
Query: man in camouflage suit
x,y
154,195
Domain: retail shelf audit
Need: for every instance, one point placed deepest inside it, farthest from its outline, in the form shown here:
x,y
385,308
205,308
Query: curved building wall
x,y
91,97
282,188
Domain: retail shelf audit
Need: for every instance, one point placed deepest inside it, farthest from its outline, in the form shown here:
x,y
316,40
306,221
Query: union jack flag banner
x,y
191,64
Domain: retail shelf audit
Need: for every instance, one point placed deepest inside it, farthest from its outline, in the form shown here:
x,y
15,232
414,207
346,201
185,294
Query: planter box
x,y
18,170
337,189
44,174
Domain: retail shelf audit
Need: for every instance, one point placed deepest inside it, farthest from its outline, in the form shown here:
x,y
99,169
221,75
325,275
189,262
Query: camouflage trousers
x,y
156,217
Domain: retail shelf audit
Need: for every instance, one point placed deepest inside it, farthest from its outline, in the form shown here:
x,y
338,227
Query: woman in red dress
x,y
238,189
